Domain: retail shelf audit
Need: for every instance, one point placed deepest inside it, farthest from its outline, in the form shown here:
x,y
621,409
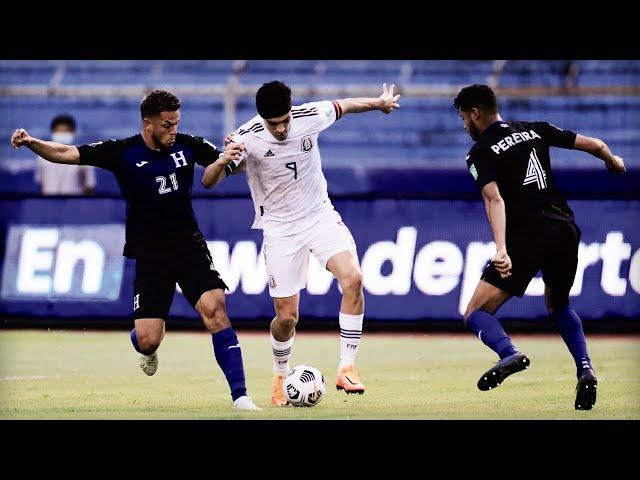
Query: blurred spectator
x,y
57,179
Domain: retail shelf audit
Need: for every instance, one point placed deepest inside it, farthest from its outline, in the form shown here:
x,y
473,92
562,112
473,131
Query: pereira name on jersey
x,y
287,185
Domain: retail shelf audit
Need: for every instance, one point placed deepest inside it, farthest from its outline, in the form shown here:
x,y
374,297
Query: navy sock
x,y
134,341
228,355
570,327
489,329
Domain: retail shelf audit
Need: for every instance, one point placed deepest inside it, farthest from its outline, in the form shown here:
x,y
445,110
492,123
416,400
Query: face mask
x,y
62,137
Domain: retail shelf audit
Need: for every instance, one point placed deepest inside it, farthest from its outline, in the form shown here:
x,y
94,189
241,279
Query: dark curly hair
x,y
476,96
158,101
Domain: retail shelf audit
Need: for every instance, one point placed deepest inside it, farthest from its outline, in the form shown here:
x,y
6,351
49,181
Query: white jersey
x,y
287,185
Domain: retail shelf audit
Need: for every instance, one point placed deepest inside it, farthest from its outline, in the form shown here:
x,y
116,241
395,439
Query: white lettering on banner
x,y
613,252
587,255
400,253
46,262
634,272
34,256
319,279
243,265
535,287
69,253
478,254
438,267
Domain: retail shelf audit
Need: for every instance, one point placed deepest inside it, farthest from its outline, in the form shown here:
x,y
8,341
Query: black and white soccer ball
x,y
304,386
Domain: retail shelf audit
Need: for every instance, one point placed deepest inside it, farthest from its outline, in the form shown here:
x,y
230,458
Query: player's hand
x,y
388,101
232,152
502,263
20,137
617,165
228,139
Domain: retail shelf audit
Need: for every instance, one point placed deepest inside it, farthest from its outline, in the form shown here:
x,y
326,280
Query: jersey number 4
x,y
535,172
163,183
294,167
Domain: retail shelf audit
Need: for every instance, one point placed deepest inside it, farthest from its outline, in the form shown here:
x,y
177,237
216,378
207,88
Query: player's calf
x,y
146,345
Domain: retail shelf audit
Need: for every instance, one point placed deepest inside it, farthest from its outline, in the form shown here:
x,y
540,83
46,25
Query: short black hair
x,y
273,99
158,101
476,96
64,119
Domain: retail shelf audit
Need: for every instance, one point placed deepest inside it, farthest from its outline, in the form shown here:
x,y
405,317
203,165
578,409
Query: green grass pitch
x,y
95,375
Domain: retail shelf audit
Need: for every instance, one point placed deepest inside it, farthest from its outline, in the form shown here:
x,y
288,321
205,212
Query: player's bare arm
x,y
599,149
51,151
218,170
494,205
386,102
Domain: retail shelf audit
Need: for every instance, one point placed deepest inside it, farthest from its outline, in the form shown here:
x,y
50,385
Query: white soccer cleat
x,y
244,403
149,363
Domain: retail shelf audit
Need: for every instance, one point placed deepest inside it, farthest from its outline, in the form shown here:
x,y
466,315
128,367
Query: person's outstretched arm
x,y
51,151
599,149
386,102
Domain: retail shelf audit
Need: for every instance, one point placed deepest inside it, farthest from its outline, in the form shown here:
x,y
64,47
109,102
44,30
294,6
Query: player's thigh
x,y
486,297
330,237
153,289
197,275
287,262
561,263
525,249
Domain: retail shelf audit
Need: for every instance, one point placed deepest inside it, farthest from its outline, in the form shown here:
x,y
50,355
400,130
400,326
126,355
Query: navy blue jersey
x,y
157,187
516,156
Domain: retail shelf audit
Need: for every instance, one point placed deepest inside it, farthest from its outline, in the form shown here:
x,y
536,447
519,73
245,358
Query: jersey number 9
x,y
294,167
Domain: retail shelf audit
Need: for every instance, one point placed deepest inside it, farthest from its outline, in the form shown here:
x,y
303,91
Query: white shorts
x,y
287,258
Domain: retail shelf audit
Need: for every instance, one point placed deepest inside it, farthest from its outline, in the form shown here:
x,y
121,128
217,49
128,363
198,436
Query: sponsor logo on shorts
x,y
272,281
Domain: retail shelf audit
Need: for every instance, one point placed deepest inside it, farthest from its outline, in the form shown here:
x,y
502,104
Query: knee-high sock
x,y
350,335
489,330
229,356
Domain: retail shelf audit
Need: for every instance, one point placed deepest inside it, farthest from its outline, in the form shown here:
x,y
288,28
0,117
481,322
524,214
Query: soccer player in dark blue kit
x,y
155,172
533,228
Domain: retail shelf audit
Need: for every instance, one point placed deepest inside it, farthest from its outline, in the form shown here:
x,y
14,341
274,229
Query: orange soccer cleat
x,y
277,393
349,380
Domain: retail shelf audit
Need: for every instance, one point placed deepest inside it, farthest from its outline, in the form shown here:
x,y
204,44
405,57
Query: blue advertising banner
x,y
421,260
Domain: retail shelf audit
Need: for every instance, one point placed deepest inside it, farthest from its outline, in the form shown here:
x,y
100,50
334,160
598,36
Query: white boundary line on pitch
x,y
34,377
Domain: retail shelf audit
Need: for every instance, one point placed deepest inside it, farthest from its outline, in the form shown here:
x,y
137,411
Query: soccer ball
x,y
304,386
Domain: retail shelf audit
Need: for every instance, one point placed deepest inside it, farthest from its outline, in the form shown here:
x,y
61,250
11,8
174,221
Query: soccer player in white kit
x,y
292,207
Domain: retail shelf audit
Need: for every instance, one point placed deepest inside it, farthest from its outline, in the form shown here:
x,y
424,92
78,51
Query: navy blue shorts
x,y
156,279
551,247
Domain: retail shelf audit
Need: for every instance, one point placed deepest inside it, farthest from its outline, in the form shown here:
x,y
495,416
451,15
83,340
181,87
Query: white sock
x,y
281,354
350,334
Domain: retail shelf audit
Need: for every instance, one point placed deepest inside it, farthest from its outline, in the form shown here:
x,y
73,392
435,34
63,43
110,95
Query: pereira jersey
x,y
516,156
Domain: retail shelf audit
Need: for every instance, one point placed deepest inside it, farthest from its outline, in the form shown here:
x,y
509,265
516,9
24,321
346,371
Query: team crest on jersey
x,y
272,281
473,171
307,143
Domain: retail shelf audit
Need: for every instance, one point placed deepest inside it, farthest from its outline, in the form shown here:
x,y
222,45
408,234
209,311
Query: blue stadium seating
x,y
424,132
